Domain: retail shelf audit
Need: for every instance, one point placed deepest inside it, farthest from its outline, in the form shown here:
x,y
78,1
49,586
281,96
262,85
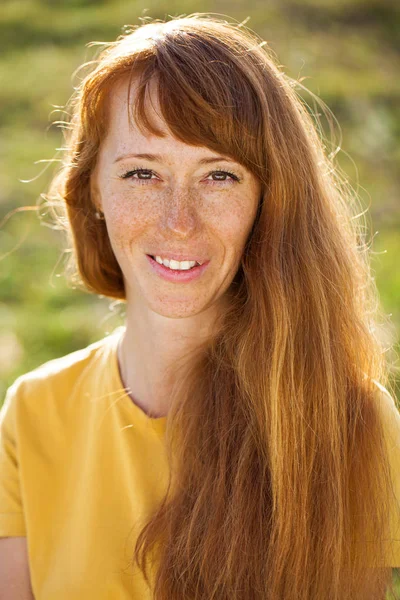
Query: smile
x,y
177,275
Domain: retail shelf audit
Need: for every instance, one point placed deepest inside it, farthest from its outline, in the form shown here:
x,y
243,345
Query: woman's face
x,y
162,197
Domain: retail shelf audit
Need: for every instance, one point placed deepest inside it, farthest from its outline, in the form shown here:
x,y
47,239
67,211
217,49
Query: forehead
x,y
124,135
120,121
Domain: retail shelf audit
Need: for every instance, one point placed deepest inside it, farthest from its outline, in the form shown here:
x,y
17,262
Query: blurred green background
x,y
348,51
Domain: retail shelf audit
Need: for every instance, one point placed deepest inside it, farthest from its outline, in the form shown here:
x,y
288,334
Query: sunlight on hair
x,y
280,481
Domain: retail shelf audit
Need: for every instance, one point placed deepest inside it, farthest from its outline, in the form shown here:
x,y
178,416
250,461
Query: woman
x,y
235,438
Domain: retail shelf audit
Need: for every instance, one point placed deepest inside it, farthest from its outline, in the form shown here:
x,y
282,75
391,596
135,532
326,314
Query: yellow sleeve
x,y
391,420
12,521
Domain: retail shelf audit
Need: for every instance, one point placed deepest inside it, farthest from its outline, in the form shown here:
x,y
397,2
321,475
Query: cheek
x,y
127,217
235,225
133,214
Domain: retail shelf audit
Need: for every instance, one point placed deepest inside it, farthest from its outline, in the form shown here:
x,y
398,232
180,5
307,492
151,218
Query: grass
x,y
347,51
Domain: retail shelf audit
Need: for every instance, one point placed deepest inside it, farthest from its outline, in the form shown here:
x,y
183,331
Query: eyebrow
x,y
159,158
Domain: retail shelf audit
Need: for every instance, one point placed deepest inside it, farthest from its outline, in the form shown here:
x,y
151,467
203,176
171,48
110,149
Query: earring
x,y
99,215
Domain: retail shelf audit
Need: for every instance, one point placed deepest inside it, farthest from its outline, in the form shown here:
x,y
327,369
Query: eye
x,y
220,175
142,174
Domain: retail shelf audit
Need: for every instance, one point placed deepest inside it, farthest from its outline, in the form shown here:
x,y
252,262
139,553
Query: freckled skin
x,y
182,207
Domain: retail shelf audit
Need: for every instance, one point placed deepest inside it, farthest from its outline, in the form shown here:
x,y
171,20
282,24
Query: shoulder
x,y
388,407
58,377
390,415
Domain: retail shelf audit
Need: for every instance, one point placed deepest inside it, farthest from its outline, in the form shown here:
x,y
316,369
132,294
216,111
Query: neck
x,y
151,349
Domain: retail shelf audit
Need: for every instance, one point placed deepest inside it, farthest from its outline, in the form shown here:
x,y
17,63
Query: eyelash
x,y
130,173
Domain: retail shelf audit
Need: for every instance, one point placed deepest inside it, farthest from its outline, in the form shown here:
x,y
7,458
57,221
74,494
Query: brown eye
x,y
223,176
141,174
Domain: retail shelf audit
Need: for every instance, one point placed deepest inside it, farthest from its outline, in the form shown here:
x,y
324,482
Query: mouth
x,y
177,275
198,263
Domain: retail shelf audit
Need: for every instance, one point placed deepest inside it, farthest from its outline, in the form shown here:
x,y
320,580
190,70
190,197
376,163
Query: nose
x,y
179,215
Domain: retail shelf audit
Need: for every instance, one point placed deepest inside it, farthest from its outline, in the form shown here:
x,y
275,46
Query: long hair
x,y
279,485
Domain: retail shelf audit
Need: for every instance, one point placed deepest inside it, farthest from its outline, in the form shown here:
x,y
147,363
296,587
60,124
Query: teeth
x,y
175,264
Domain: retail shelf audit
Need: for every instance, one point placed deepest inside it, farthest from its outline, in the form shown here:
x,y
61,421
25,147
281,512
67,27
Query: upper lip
x,y
179,257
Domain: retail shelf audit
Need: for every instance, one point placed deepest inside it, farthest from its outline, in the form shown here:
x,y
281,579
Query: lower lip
x,y
177,276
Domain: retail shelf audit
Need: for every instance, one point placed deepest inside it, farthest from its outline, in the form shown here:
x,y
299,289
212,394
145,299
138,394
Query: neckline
x,y
158,423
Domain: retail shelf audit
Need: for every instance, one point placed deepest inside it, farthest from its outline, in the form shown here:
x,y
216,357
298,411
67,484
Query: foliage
x,y
346,50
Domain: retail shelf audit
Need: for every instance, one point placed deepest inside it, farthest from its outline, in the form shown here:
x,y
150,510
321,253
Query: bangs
x,y
204,98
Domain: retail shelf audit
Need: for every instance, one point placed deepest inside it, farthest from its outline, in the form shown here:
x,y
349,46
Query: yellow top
x,y
391,424
80,467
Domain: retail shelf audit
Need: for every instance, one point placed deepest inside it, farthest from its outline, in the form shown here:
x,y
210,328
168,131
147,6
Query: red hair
x,y
279,471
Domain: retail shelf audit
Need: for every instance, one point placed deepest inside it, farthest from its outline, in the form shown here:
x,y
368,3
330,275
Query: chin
x,y
180,310
179,307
